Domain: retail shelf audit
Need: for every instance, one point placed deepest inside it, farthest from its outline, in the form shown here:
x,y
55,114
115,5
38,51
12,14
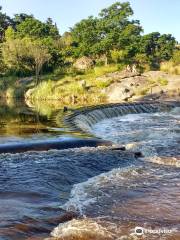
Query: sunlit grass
x,y
69,87
162,81
99,71
170,67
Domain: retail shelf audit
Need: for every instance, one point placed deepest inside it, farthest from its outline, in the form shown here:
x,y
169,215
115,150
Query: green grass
x,y
99,71
162,81
170,67
70,87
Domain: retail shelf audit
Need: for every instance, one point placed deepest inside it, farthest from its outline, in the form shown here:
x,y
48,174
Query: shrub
x,y
162,81
176,57
170,67
99,71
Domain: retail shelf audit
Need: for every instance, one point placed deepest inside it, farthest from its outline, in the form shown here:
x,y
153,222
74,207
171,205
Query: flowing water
x,y
108,193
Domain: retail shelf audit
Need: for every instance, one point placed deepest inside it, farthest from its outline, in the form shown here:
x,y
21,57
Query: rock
x,y
155,74
138,154
130,85
65,109
83,63
83,83
118,76
118,149
126,89
116,92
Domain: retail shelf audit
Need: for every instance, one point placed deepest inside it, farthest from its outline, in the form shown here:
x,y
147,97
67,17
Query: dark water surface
x,y
30,185
112,189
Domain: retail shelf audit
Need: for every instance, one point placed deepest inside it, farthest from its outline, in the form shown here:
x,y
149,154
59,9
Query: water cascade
x,y
83,120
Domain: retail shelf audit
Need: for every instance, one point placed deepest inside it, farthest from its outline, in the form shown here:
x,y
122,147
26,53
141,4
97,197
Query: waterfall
x,y
84,119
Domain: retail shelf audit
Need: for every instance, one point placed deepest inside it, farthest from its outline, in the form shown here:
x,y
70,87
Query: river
x,y
108,193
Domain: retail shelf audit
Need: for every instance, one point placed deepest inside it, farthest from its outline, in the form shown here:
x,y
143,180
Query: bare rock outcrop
x,y
133,86
126,89
118,76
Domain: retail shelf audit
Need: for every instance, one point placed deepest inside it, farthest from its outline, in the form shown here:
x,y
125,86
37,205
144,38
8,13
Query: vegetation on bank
x,y
173,65
82,88
112,41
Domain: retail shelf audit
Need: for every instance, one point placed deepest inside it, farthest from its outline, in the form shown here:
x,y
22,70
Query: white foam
x,y
148,133
89,192
82,229
171,161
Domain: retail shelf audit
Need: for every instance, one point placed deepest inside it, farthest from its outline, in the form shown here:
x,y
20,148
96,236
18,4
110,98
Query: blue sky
x,y
155,15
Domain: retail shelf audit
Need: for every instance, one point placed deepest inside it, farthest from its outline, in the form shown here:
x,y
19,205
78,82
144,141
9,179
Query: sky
x,y
155,15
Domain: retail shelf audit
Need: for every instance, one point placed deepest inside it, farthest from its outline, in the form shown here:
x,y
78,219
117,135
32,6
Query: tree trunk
x,y
37,75
105,59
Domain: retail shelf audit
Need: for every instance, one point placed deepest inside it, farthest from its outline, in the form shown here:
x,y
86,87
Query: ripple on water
x,y
111,190
146,195
34,184
155,134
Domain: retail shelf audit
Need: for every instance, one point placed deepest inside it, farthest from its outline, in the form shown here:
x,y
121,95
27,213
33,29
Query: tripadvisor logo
x,y
139,231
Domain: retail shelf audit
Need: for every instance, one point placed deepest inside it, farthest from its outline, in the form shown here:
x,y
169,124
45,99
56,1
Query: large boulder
x,y
83,63
126,89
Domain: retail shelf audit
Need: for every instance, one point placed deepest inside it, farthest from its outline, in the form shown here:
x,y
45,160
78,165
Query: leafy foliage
x,y
29,46
112,30
5,22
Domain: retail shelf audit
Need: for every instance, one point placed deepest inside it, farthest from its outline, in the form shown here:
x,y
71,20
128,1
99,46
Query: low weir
x,y
49,145
84,119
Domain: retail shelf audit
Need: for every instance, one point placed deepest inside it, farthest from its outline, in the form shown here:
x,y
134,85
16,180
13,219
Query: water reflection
x,y
20,122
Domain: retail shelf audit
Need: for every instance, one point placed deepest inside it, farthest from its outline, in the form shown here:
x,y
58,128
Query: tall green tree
x,y
157,47
39,54
34,28
25,56
5,22
19,18
85,35
112,30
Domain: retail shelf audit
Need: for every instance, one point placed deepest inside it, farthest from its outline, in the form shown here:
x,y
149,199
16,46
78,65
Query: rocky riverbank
x,y
151,85
118,86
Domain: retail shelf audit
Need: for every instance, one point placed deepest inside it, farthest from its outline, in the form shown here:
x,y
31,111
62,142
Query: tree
x,y
25,55
34,28
166,45
157,47
16,56
117,30
19,18
5,22
52,28
40,56
85,35
111,31
65,47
